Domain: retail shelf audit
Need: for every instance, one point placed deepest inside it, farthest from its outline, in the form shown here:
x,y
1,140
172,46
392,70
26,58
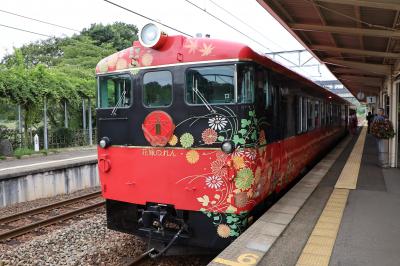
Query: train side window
x,y
157,89
299,114
304,114
114,91
267,90
317,114
310,114
211,85
245,91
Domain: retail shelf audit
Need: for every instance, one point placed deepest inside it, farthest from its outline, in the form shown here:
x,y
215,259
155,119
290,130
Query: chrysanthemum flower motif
x,y
224,230
244,179
250,153
240,199
218,122
238,162
187,140
238,152
192,157
209,136
218,168
173,141
214,182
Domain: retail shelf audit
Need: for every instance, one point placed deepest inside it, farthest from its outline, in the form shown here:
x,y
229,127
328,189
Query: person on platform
x,y
370,117
380,116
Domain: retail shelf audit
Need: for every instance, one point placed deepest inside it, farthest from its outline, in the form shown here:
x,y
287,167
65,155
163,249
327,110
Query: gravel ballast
x,y
86,242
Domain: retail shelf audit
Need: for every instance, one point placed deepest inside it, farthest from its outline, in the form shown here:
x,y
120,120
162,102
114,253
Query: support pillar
x,y
393,116
45,143
83,114
65,114
90,123
20,126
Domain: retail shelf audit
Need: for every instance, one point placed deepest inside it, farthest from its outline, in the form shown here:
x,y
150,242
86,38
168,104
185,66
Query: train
x,y
195,135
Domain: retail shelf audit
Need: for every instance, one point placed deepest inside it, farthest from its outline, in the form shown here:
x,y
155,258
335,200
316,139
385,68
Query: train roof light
x,y
151,36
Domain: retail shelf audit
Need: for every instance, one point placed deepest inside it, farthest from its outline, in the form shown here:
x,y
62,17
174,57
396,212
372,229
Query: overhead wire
x,y
148,18
15,28
235,29
38,20
245,23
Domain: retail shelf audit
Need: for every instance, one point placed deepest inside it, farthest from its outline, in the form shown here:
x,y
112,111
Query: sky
x,y
264,33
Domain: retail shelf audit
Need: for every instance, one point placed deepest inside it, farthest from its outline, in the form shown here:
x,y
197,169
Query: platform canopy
x,y
358,40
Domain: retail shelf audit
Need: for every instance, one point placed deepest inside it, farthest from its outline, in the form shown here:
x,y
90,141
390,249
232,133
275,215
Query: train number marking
x,y
246,259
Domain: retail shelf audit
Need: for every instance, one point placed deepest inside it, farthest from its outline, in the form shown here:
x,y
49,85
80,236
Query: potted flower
x,y
382,129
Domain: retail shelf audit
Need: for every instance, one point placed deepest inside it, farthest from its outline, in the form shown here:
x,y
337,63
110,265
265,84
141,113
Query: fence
x,y
57,138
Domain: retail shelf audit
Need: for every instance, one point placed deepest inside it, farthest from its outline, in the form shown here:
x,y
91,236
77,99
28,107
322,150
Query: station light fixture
x,y
105,142
151,36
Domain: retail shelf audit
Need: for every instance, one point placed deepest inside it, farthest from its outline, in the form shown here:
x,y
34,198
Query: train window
x,y
304,114
317,114
310,116
114,91
210,85
157,89
245,92
299,114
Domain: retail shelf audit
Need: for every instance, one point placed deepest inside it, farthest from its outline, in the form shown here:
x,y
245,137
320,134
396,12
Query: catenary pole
x,y
45,125
90,123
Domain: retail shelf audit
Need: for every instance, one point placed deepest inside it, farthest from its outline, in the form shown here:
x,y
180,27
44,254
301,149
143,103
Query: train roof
x,y
180,50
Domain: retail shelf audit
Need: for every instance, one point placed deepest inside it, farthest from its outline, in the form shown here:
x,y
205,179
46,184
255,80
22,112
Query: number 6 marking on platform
x,y
246,259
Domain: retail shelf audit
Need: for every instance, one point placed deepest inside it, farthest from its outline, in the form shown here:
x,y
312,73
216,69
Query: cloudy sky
x,y
264,34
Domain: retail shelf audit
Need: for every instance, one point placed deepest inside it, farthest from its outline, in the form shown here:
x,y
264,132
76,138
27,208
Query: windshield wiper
x,y
201,96
120,100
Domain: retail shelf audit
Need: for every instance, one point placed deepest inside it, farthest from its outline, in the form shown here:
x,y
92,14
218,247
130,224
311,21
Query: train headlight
x,y
227,146
151,36
105,142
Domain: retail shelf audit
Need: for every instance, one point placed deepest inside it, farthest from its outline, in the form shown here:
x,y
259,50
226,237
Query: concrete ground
x,y
10,168
370,229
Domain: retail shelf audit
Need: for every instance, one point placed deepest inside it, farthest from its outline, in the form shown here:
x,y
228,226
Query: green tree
x,y
120,35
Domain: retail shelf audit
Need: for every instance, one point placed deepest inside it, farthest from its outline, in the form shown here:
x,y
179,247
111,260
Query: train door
x,y
277,152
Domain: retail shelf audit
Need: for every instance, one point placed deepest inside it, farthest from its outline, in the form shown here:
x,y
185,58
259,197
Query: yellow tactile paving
x,y
319,247
349,175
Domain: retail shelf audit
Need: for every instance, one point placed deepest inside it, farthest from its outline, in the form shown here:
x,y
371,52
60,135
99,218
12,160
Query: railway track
x,y
28,221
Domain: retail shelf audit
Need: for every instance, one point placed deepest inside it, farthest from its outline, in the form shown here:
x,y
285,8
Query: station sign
x,y
371,99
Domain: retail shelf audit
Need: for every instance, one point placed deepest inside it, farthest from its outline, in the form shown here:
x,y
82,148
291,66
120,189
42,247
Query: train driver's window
x,y
114,91
157,89
210,85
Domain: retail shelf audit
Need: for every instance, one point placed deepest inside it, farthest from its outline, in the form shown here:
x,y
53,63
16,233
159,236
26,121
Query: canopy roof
x,y
358,40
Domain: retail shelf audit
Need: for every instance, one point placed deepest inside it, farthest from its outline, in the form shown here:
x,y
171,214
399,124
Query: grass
x,y
22,151
18,153
2,157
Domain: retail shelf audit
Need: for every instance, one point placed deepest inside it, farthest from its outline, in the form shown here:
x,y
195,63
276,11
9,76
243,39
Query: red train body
x,y
163,115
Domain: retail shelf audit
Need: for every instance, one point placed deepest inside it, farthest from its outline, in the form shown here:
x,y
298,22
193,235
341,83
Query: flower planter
x,y
383,152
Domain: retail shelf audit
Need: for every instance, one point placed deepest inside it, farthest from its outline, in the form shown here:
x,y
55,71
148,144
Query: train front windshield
x,y
114,91
204,85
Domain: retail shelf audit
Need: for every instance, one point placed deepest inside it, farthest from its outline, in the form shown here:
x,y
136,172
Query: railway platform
x,y
46,176
345,211
15,167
